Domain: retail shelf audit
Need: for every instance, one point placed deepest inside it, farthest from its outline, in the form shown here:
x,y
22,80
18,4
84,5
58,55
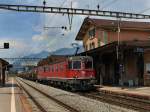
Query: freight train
x,y
74,73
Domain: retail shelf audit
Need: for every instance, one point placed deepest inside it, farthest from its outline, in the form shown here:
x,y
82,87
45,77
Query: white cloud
x,y
58,38
39,37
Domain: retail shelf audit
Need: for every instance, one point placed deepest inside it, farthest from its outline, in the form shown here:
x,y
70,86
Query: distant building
x,y
118,61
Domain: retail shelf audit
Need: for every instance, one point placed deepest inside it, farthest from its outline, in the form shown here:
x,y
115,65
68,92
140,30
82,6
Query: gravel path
x,y
78,102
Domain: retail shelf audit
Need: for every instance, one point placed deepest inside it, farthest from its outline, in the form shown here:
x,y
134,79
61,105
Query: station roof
x,y
3,62
111,24
112,47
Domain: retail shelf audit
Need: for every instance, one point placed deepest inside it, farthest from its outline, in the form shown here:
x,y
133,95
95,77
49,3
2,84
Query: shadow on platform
x,y
8,85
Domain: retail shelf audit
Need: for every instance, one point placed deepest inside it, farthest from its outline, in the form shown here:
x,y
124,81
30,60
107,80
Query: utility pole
x,y
120,54
118,36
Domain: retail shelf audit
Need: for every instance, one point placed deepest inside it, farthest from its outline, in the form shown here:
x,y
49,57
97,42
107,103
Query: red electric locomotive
x,y
75,73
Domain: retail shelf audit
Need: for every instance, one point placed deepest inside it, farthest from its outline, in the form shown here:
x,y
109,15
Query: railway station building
x,y
120,49
3,67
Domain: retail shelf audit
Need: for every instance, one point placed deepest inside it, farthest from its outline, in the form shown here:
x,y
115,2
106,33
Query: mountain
x,y
62,51
17,65
42,54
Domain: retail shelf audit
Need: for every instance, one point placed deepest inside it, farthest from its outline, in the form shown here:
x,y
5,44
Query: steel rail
x,y
55,100
32,98
118,100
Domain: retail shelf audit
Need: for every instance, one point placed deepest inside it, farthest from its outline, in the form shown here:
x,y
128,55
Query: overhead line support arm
x,y
75,11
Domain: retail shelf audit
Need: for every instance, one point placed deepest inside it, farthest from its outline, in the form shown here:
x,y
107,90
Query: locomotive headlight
x,y
75,76
83,72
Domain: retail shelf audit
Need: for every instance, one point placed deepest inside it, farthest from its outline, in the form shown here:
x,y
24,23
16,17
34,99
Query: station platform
x,y
138,92
12,99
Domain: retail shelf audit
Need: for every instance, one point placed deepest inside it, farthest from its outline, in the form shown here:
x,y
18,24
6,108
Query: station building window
x,y
90,46
92,33
86,47
105,37
93,45
148,68
99,41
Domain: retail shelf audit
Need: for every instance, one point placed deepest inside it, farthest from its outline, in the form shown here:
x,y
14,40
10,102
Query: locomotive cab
x,y
80,70
81,64
81,67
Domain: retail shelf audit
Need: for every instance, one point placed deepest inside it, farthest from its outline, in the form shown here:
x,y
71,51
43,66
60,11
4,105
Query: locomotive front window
x,y
88,64
70,64
76,64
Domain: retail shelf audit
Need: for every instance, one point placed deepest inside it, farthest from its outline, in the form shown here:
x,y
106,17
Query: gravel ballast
x,y
76,101
48,104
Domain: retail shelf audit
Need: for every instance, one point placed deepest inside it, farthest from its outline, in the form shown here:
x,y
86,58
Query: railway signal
x,y
5,46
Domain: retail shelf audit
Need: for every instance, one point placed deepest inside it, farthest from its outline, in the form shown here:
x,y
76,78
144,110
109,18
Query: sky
x,y
25,31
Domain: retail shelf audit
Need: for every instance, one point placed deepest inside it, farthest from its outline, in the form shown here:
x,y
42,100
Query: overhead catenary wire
x,y
70,18
57,13
46,27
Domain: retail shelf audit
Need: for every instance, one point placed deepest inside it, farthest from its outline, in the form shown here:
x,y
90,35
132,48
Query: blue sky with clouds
x,y
25,31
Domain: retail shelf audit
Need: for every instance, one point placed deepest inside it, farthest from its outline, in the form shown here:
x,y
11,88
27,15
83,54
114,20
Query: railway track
x,y
119,100
31,97
26,87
